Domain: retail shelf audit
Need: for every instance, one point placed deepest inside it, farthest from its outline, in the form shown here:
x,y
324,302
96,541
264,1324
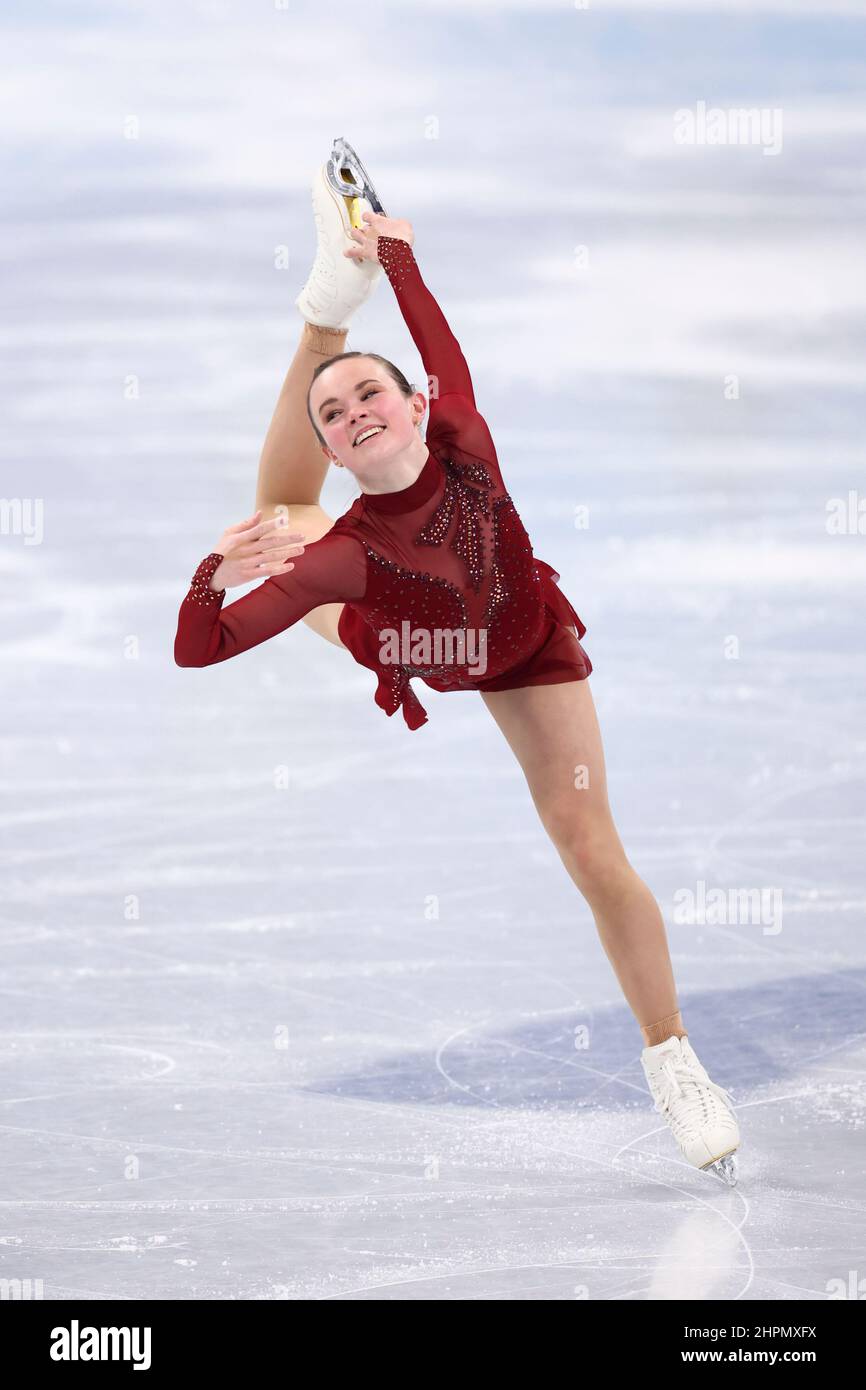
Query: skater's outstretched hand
x,y
255,549
366,238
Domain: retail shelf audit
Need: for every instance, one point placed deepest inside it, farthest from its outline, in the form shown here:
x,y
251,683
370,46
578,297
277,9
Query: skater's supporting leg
x,y
292,467
553,731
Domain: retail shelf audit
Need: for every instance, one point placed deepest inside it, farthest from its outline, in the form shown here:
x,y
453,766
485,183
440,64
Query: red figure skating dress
x,y
446,555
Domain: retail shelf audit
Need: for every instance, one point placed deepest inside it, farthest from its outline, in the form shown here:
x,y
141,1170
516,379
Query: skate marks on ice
x,y
255,1184
572,1058
311,1196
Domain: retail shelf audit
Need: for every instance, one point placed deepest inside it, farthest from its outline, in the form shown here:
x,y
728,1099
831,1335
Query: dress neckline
x,y
406,499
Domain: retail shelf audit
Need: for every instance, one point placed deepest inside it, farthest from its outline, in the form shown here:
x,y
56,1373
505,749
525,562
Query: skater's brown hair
x,y
405,386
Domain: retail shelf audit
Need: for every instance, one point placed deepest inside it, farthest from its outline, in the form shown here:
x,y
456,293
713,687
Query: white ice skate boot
x,y
698,1111
338,285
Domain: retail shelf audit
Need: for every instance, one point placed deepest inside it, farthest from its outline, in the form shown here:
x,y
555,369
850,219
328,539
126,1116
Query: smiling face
x,y
358,395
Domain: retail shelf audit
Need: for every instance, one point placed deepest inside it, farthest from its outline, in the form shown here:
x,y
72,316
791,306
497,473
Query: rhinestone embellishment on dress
x,y
200,591
463,494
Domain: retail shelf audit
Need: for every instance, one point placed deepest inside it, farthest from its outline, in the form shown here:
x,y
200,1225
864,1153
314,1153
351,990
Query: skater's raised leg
x,y
292,467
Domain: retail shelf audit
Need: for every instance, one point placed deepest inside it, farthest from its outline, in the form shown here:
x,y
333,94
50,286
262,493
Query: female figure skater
x,y
434,547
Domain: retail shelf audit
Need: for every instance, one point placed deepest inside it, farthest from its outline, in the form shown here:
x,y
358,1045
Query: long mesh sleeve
x,y
331,570
455,424
440,351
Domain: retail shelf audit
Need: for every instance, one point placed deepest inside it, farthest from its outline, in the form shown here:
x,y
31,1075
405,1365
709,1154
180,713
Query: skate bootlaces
x,y
677,1076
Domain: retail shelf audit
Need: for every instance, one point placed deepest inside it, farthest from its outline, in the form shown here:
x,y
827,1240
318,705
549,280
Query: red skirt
x,y
558,655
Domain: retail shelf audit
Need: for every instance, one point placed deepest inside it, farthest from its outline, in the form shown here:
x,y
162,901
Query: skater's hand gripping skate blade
x,y
366,238
255,549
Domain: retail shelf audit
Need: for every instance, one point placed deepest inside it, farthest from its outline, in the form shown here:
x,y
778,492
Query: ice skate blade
x,y
724,1167
348,177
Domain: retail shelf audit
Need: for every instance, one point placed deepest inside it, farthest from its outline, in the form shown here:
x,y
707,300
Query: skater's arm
x,y
446,367
455,421
331,570
443,359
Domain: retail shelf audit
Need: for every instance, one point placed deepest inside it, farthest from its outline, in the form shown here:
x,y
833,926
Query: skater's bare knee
x,y
598,866
589,847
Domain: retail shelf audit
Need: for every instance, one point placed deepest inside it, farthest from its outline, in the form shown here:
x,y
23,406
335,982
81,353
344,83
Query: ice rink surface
x,y
297,1003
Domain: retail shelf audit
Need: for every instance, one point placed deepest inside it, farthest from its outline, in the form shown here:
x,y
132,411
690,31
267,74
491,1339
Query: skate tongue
x,y
661,1049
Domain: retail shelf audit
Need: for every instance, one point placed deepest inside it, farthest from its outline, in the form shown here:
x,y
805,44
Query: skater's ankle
x,y
670,1027
327,342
